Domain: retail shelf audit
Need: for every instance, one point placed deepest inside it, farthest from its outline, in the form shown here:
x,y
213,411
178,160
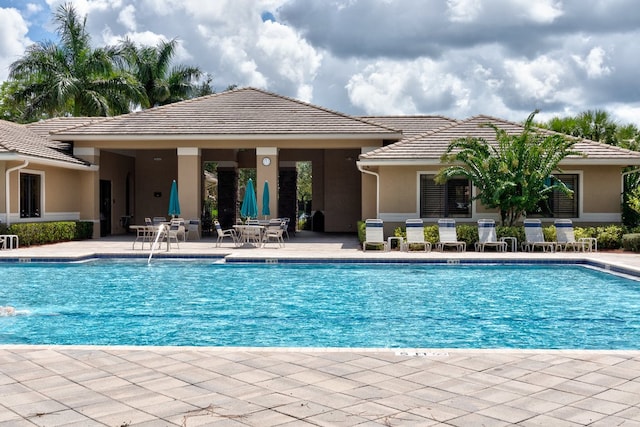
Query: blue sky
x,y
456,58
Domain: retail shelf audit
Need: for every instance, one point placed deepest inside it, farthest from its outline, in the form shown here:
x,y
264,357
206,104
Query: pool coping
x,y
236,259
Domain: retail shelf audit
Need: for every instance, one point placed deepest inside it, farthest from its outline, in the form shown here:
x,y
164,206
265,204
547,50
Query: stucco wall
x,y
117,168
342,208
153,178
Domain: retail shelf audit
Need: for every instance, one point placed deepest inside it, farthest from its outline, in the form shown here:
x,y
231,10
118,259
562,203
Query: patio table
x,y
249,234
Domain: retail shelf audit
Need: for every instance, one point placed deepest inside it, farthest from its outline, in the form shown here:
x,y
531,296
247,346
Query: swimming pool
x,y
204,303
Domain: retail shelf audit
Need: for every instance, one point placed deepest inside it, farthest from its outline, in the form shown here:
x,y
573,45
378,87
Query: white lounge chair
x,y
487,236
566,237
415,235
225,233
448,236
374,234
534,237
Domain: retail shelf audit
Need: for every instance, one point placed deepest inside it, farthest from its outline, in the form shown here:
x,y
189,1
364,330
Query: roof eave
x,y
220,137
12,156
437,162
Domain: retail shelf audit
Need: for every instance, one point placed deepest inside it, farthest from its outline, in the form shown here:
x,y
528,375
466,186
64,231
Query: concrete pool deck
x,y
186,386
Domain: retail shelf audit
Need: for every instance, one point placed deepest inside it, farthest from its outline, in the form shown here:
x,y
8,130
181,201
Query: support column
x,y
89,197
267,170
227,193
190,182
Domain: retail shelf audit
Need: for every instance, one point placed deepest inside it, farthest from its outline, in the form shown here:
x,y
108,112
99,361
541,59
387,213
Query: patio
x,y
186,386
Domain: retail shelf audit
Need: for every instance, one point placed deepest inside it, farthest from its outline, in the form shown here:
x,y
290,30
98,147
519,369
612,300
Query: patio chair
x,y
415,235
448,236
274,233
174,232
157,220
534,237
374,234
225,233
487,236
566,238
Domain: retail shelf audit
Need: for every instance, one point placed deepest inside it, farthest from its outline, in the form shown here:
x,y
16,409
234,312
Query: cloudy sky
x,y
456,58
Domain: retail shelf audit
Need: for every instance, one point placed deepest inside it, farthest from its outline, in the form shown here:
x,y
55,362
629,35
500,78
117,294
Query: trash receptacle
x,y
317,221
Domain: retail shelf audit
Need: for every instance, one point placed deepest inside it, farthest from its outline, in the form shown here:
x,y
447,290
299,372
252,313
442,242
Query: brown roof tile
x,y
19,139
245,111
411,125
430,146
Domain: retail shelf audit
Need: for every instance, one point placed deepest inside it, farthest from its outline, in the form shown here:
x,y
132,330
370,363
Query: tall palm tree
x,y
72,78
151,66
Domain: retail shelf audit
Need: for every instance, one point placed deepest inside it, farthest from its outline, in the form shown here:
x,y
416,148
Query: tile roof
x,y
245,111
19,139
429,146
411,125
45,127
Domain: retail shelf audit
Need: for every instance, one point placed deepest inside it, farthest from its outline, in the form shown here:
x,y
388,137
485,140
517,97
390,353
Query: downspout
x,y
377,175
8,188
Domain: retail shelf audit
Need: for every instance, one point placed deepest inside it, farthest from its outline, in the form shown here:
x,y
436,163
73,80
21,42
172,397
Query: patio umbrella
x,y
265,200
249,207
174,202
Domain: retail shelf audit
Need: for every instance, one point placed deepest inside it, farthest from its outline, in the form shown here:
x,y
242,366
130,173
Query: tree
x,y
162,84
10,109
513,175
595,125
71,78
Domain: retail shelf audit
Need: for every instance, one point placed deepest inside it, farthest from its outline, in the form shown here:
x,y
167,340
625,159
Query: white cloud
x,y
13,39
540,11
538,79
127,17
463,10
593,64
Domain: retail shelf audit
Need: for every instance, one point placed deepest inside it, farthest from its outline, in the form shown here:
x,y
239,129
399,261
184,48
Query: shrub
x,y
609,237
467,233
40,233
631,242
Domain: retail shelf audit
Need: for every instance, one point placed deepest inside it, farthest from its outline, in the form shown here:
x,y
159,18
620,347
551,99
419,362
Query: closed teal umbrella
x,y
174,202
249,207
265,200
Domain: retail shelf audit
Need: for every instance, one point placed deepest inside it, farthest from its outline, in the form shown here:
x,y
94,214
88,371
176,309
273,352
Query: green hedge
x,y
631,242
40,233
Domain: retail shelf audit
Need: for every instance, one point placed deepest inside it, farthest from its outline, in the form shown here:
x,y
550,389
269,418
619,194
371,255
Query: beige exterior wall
x,y
189,183
117,169
342,208
600,193
155,171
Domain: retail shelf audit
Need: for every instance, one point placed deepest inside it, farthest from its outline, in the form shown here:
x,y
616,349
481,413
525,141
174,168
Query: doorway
x,y
105,208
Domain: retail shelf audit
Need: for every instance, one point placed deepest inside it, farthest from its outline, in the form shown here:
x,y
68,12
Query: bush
x,y
40,233
609,237
467,233
631,242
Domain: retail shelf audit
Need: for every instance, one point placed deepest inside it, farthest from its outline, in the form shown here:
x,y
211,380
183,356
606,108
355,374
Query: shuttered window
x,y
451,199
559,205
30,195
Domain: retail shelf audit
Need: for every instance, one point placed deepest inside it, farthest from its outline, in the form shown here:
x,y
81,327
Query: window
x,y
559,205
30,195
452,199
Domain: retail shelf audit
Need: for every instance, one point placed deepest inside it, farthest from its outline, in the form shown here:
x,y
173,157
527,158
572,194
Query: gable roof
x,y
18,142
249,113
411,125
45,127
429,147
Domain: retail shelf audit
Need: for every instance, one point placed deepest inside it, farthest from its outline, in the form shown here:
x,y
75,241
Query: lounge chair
x,y
374,234
274,233
566,238
448,236
534,237
487,236
225,233
415,235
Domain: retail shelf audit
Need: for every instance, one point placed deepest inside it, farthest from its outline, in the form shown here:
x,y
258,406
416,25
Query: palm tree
x,y
162,85
513,175
71,78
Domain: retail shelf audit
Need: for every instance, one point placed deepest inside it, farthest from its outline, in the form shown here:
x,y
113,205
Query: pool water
x,y
319,305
